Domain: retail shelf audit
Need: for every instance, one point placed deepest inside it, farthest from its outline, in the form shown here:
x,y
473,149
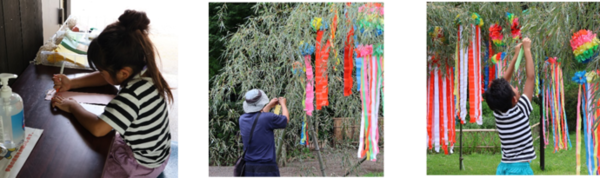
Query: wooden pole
x,y
316,140
461,166
542,150
355,166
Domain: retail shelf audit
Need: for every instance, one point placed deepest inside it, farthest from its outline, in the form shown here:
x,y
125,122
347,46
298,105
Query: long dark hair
x,y
125,43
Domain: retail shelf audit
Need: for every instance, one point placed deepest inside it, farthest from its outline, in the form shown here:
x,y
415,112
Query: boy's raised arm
x,y
530,82
511,66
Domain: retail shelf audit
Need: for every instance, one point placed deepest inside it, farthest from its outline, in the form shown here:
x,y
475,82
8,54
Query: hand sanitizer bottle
x,y
11,111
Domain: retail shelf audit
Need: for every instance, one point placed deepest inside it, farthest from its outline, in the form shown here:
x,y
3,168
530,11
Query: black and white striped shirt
x,y
140,114
515,132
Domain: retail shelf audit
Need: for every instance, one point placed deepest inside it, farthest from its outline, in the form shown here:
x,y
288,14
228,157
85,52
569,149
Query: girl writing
x,y
124,55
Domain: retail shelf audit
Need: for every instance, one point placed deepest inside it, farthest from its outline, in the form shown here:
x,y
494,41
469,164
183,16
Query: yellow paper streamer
x,y
277,109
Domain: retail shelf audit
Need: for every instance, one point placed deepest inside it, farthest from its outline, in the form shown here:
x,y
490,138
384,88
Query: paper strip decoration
x,y
348,65
441,117
584,44
307,50
319,76
456,76
304,133
430,83
578,132
452,116
496,35
486,68
581,80
464,73
562,99
515,28
479,89
372,80
277,109
323,77
492,68
426,120
321,58
587,133
590,115
554,104
474,78
362,143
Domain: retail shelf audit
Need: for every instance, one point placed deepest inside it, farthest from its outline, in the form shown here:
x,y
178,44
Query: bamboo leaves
x,y
260,55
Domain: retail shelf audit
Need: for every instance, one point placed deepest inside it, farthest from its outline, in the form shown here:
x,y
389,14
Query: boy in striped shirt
x,y
512,111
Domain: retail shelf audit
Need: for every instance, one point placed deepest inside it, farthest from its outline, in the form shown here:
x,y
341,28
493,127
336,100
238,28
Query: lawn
x,y
559,163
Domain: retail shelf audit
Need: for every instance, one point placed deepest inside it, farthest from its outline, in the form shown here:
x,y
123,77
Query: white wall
x,y
50,17
163,15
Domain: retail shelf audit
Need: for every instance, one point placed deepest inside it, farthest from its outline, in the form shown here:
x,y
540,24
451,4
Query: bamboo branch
x,y
316,140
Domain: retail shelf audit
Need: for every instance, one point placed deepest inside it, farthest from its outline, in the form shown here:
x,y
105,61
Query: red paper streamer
x,y
430,106
471,85
447,114
348,63
492,69
325,59
318,71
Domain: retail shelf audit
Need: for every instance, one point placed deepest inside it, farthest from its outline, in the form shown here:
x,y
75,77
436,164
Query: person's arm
x,y
511,67
94,79
284,111
530,82
270,105
89,120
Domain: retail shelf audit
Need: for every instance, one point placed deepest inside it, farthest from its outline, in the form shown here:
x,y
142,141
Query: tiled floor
x,y
164,34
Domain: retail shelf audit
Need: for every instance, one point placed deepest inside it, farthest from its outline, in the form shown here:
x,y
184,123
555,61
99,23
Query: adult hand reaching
x,y
284,110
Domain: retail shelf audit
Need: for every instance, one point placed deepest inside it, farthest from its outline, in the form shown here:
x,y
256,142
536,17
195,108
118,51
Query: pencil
x,y
62,68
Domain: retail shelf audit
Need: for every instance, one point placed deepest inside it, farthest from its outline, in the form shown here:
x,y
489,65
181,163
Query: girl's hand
x,y
518,48
61,82
64,104
527,43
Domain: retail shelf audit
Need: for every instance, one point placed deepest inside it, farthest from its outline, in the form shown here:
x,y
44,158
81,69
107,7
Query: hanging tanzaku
x,y
554,105
440,107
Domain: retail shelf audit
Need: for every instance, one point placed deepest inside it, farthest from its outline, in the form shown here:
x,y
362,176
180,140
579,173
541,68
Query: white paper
x,y
95,109
11,167
81,97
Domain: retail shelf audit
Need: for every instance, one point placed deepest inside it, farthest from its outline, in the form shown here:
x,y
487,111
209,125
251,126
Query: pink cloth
x,y
121,163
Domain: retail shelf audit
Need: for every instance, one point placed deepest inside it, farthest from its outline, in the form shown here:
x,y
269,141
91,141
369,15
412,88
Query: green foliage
x,y
550,25
224,18
260,54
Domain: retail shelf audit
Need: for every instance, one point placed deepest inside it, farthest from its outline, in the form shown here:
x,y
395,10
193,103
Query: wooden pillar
x,y
21,33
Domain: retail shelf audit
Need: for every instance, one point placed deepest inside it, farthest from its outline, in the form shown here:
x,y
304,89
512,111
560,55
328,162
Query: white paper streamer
x,y
478,98
464,69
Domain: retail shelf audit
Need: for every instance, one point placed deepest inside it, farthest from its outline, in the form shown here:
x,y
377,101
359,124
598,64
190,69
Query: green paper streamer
x,y
519,60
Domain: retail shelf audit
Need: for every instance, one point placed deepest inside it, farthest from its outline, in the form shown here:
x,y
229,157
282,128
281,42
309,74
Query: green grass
x,y
562,162
374,174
